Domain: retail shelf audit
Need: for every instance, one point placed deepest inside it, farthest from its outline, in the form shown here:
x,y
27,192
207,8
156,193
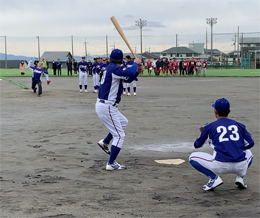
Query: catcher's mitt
x,y
201,128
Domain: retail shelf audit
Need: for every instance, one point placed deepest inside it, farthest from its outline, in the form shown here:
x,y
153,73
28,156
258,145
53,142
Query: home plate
x,y
170,161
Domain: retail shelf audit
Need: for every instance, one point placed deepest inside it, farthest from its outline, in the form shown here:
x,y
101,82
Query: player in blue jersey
x,y
231,144
109,96
36,77
128,64
96,71
83,74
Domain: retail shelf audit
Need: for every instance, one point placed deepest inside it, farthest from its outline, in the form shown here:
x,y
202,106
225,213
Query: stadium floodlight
x,y
211,22
141,23
5,53
38,46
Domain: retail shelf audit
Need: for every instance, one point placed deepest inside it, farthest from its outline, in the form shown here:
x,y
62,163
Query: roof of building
x,y
248,40
149,55
54,55
179,50
214,52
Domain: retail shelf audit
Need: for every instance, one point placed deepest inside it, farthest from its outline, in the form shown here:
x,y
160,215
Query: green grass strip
x,y
16,83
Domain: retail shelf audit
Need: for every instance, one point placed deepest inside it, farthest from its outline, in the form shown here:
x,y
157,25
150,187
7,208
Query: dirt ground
x,y
51,165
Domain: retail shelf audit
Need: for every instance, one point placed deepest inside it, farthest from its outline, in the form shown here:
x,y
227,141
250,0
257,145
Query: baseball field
x,y
51,165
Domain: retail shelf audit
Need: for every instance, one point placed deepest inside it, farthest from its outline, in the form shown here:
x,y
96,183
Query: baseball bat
x,y
121,33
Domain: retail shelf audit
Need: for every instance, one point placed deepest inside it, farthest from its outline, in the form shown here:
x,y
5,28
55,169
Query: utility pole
x,y
141,23
238,53
86,52
211,22
176,46
5,53
106,46
38,47
72,47
206,43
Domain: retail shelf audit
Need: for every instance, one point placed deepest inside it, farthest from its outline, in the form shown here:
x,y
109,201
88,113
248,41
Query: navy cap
x,y
98,57
128,56
116,54
83,57
104,59
221,104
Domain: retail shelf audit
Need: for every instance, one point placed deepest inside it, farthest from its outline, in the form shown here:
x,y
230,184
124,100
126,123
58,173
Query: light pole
x,y
211,22
5,53
141,23
86,52
38,47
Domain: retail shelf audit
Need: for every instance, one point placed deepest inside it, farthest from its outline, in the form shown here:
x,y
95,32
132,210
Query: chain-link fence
x,y
226,43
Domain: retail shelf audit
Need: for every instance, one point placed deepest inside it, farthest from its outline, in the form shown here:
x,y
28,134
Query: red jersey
x,y
192,62
175,63
185,64
149,64
198,63
204,64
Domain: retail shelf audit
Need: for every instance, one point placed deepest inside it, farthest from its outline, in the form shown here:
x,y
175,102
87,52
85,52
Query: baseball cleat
x,y
115,166
34,90
80,90
241,182
134,93
104,146
86,90
124,93
128,94
213,183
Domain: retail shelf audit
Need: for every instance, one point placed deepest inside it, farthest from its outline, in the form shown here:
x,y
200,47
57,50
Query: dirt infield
x,y
51,165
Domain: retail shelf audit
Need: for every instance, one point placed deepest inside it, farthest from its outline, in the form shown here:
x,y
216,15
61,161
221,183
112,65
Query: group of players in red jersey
x,y
186,66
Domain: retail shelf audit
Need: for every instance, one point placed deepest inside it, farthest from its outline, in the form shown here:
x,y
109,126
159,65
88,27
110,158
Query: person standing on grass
x,y
54,67
204,65
75,66
149,66
69,67
22,68
58,63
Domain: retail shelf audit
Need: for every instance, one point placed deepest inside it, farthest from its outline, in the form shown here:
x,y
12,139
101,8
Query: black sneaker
x,y
104,146
34,91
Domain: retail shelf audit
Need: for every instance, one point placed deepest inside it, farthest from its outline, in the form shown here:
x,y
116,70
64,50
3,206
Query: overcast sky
x,y
91,20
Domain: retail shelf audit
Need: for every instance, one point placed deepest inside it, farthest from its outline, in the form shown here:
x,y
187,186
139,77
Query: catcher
x,y
36,78
231,143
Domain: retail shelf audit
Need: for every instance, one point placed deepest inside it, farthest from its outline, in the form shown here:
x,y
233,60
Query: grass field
x,y
210,72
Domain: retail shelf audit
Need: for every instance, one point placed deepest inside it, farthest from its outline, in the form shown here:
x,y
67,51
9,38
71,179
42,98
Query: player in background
x,y
198,66
175,67
165,67
231,144
36,77
180,68
149,66
154,65
109,96
185,64
129,64
96,71
89,67
170,66
59,65
104,65
192,63
83,74
204,65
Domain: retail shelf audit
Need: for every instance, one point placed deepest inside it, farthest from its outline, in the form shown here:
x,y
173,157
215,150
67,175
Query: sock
x,y
113,154
128,89
108,138
80,86
202,169
134,89
85,87
124,89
